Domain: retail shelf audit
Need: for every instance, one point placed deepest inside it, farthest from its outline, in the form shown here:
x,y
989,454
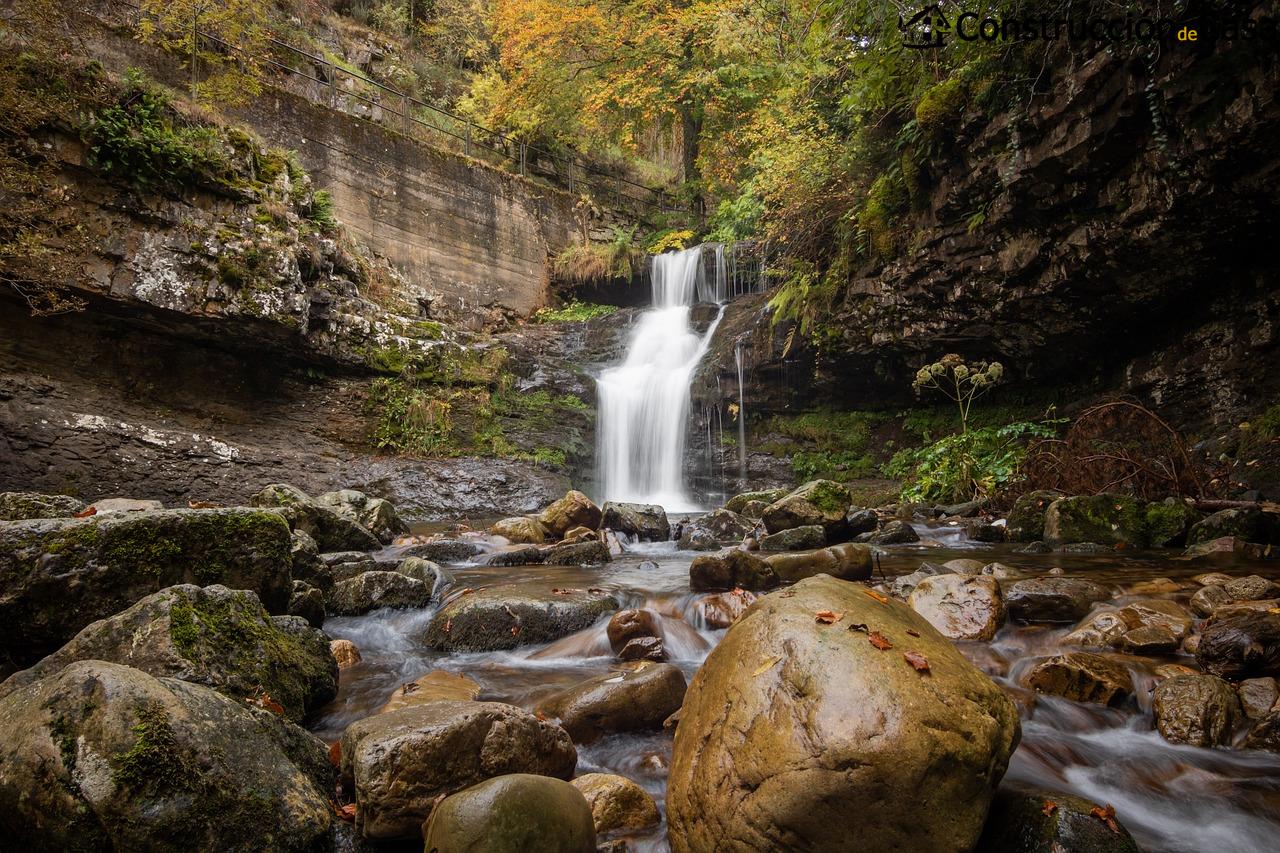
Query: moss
x,y
828,496
155,765
942,104
63,735
574,312
1166,524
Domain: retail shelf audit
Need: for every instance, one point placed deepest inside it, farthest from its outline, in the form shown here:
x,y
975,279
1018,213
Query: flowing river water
x,y
1172,798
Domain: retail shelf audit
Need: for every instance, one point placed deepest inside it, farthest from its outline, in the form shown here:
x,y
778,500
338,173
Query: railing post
x,y
468,142
523,159
333,85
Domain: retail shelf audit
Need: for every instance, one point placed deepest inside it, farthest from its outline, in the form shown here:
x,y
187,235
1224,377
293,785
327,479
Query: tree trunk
x,y
690,131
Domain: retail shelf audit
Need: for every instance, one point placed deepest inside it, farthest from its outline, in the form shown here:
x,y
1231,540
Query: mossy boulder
x,y
732,569
377,515
517,813
217,637
1039,821
632,697
647,522
21,506
331,531
848,561
591,553
805,538
374,590
59,575
822,502
1105,519
794,731
715,529
1168,523
1026,519
510,615
400,762
101,756
1250,524
738,503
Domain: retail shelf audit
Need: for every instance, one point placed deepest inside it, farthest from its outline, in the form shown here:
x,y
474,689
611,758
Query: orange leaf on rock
x,y
1049,807
871,593
93,510
827,617
879,641
347,812
1106,815
202,504
918,661
911,632
335,753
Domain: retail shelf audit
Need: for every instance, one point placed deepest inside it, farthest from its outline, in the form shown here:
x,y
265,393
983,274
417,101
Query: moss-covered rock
x,y
643,521
805,538
514,614
373,590
1026,519
214,636
1198,709
715,529
821,502
739,502
377,515
100,756
60,575
1105,519
20,506
331,531
1167,523
1251,525
1037,821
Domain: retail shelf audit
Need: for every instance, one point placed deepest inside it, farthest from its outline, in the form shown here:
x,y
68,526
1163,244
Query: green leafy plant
x,y
574,312
966,465
959,381
669,240
321,210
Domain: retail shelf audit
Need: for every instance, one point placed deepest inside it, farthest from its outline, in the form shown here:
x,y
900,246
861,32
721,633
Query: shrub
x,y
967,465
574,312
321,210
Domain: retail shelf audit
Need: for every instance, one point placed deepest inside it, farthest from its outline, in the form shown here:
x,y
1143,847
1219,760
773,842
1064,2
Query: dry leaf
x,y
1049,807
879,641
347,812
409,687
1106,815
467,591
917,660
786,593
765,667
335,753
912,632
871,593
448,624
827,617
93,510
859,626
202,504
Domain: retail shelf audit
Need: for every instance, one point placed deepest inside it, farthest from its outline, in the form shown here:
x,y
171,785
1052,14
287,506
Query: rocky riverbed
x,y
307,672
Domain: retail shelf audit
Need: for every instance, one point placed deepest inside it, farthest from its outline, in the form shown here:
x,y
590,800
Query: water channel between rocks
x,y
1172,798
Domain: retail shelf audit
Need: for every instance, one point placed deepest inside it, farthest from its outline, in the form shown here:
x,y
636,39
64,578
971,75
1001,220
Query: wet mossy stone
x,y
1105,519
1168,523
21,506
369,591
103,757
218,637
1038,821
59,575
1250,524
822,502
518,813
1026,519
739,502
515,614
330,530
644,521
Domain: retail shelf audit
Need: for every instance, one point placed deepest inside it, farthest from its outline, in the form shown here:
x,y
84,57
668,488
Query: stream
x,y
1170,797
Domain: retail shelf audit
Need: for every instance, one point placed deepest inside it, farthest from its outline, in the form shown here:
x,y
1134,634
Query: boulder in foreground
x,y
518,813
515,614
1036,821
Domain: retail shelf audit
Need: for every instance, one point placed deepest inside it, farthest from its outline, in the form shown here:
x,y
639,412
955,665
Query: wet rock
x,y
521,530
432,574
796,539
847,561
373,590
1104,519
1150,640
399,762
1082,677
1211,578
513,555
1251,525
964,567
1241,645
376,515
1053,599
435,686
1263,606
629,624
616,802
308,603
517,813
960,607
1155,586
1265,733
723,608
966,509
1100,629
1023,821
345,653
1161,612
1200,710
122,505
593,553
1001,572
101,756
20,506
633,697
643,521
1167,523
1026,519
573,510
1258,696
307,566
754,510
768,496
729,570
1037,547
443,550
1251,588
1208,599
903,586
824,731
895,533
643,648
1190,644
515,614
58,575
648,566
1226,546
217,637
860,521
713,530
982,531
821,502
331,531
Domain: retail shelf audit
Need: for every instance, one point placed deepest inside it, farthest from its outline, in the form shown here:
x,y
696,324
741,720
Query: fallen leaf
x,y
448,624
917,660
879,641
786,593
202,504
347,812
1049,807
409,687
827,617
467,591
1106,815
859,626
93,510
911,632
515,630
272,705
871,593
765,667
335,753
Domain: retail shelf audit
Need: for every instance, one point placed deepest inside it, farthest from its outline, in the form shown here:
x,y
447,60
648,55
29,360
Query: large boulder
x,y
1104,519
214,636
400,762
734,569
1083,677
643,521
1037,821
795,730
616,802
961,607
805,538
1026,519
896,532
713,530
1200,710
1167,523
633,697
573,510
432,574
330,530
592,553
21,506
847,561
737,503
1241,645
521,530
58,575
101,756
515,614
435,686
1052,599
517,813
373,590
821,502
632,624
1250,524
377,515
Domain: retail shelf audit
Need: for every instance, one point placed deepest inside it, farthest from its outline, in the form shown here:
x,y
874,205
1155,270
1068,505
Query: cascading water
x,y
644,401
742,418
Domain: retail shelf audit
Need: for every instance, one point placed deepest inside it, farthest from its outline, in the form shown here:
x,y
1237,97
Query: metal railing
x,y
396,110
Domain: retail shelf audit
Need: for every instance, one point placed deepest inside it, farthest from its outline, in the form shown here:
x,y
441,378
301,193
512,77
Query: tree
x,y
223,42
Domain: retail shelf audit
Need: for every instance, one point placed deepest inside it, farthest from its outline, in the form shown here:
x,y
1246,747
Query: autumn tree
x,y
222,42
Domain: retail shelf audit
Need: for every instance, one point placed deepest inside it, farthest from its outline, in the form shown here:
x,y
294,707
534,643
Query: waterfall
x,y
742,419
644,401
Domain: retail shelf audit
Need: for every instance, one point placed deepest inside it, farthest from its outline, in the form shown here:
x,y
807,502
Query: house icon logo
x,y
926,29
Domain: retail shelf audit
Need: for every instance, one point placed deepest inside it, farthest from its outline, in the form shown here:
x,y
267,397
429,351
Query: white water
x,y
644,401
